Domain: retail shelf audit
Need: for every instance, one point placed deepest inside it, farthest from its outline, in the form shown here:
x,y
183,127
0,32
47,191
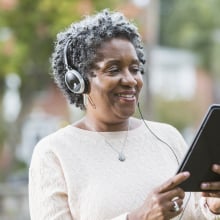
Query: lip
x,y
127,96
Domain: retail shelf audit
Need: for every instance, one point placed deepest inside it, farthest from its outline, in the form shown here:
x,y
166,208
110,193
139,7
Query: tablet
x,y
203,152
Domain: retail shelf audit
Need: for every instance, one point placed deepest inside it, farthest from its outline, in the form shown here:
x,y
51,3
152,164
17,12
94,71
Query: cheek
x,y
103,85
140,82
99,89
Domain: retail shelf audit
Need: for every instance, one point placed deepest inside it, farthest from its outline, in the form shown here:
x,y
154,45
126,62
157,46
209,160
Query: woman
x,y
110,165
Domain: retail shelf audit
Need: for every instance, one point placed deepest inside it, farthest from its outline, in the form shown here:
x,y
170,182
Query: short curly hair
x,y
85,38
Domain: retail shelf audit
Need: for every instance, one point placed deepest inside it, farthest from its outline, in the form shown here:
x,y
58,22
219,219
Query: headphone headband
x,y
65,54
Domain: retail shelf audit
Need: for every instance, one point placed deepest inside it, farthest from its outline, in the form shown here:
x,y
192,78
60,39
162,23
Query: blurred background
x,y
182,43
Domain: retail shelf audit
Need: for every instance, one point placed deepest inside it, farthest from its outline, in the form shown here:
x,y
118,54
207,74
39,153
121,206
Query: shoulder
x,y
65,141
154,127
50,144
169,134
166,130
52,138
161,127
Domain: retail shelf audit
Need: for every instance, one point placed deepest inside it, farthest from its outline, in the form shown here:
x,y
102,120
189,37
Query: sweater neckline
x,y
112,134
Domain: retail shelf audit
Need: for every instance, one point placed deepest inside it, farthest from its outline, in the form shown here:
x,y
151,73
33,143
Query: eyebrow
x,y
111,61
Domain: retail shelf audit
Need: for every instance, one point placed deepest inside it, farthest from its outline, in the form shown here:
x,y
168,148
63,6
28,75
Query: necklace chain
x,y
121,155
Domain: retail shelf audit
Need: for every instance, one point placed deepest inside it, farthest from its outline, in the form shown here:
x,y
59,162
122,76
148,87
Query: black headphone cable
x,y
164,142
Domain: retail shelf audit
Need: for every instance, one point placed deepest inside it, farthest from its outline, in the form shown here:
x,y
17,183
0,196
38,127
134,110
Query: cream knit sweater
x,y
76,175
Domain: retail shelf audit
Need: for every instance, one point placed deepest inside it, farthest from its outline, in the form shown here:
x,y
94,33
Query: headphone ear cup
x,y
75,82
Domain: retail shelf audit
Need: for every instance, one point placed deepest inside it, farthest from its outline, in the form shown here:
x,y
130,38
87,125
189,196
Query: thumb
x,y
173,182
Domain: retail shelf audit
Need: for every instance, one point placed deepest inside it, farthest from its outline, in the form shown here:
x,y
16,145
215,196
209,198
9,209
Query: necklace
x,y
121,155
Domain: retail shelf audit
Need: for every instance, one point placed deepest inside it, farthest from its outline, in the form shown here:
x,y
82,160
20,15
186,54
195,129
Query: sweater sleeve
x,y
47,188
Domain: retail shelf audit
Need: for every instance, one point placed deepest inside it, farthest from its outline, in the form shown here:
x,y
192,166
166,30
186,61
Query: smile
x,y
128,96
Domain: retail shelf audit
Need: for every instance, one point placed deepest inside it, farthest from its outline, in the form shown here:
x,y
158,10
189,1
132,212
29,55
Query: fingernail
x,y
215,167
186,173
204,185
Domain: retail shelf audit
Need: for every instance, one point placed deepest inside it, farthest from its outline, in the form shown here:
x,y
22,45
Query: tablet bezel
x,y
193,183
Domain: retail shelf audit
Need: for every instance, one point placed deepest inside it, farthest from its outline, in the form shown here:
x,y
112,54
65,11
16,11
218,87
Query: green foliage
x,y
26,50
167,112
34,25
3,133
100,4
191,24
3,129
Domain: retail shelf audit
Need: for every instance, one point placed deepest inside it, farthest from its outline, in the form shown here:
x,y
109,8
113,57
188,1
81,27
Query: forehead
x,y
116,49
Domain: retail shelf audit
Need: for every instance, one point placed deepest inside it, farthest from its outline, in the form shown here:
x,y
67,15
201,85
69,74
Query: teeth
x,y
126,96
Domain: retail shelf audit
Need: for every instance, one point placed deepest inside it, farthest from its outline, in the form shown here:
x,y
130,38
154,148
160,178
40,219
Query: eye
x,y
113,69
135,69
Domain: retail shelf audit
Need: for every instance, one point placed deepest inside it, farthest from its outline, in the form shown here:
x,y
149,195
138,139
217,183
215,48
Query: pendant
x,y
121,157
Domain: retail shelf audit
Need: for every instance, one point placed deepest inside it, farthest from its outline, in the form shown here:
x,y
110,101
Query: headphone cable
x,y
158,138
164,142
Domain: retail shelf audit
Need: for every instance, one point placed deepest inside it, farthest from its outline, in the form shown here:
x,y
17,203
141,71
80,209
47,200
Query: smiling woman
x,y
109,165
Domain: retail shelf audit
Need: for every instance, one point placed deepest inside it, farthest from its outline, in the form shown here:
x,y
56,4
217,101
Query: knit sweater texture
x,y
75,175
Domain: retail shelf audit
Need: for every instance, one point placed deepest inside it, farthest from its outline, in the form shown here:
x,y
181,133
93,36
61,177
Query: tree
x,y
32,27
192,25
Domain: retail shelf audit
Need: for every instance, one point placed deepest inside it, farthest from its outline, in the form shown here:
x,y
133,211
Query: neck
x,y
97,125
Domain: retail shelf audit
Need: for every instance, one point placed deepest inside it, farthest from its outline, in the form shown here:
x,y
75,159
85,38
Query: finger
x,y
173,182
175,211
211,186
171,209
172,204
216,168
171,215
176,193
211,194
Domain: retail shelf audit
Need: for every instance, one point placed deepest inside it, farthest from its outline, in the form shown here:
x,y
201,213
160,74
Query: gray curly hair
x,y
85,38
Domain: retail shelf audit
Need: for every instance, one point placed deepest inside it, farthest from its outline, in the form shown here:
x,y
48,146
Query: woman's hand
x,y
213,196
159,205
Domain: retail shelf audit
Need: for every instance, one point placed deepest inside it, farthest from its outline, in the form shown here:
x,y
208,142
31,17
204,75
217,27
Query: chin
x,y
125,111
127,114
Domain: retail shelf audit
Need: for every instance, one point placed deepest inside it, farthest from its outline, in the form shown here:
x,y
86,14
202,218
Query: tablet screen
x,y
203,152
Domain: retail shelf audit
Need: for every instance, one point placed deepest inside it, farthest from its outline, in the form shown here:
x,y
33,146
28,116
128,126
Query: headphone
x,y
74,81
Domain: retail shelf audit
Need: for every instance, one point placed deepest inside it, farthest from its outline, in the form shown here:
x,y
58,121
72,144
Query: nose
x,y
128,79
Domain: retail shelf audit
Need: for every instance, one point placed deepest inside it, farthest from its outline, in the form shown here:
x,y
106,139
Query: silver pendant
x,y
121,157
